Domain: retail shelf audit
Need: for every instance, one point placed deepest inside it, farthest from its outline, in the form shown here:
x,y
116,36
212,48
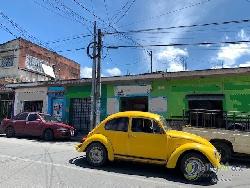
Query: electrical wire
x,y
179,44
125,12
169,12
181,27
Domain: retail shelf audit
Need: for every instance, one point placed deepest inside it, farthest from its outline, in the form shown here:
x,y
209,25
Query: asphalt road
x,y
33,163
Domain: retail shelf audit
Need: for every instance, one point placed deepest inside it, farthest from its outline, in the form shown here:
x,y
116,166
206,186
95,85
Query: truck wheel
x,y
193,166
48,135
96,154
10,132
224,150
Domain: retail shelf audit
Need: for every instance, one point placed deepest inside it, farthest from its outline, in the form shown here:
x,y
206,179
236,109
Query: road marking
x,y
93,171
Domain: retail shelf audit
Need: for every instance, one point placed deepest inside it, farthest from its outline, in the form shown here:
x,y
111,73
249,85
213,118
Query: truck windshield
x,y
48,118
164,123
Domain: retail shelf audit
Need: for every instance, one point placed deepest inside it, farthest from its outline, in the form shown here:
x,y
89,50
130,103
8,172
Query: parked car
x,y
36,124
145,137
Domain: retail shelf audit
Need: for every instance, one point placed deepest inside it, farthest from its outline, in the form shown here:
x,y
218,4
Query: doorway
x,y
33,106
134,104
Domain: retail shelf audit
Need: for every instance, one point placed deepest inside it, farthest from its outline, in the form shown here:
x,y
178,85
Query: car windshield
x,y
48,118
164,123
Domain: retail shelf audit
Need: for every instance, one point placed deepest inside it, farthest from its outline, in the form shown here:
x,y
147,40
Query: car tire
x,y
224,150
193,166
10,132
48,135
96,154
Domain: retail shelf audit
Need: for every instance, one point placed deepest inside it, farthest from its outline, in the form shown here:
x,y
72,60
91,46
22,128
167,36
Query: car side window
x,y
33,117
145,125
117,124
21,116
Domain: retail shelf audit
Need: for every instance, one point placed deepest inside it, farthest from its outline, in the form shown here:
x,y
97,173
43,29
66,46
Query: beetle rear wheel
x,y
96,154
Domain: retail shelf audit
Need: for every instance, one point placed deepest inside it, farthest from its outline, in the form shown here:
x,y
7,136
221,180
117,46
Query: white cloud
x,y
86,72
242,35
229,54
246,64
171,52
175,67
170,59
114,71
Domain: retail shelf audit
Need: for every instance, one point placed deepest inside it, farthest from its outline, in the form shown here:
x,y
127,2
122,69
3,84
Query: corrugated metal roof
x,y
142,77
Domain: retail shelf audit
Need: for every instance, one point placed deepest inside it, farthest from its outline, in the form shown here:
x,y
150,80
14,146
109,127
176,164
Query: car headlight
x,y
62,129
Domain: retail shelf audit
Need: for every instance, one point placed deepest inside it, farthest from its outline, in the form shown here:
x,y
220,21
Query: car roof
x,y
135,114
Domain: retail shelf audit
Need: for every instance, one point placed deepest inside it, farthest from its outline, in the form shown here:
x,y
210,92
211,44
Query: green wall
x,y
235,88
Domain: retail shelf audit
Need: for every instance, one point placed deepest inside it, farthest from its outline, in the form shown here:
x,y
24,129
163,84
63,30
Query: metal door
x,y
80,113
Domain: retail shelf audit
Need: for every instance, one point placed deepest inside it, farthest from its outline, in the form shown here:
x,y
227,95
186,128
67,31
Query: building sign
x,y
57,106
7,61
39,65
132,90
158,104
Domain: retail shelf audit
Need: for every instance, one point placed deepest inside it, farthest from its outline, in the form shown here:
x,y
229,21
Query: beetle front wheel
x,y
193,166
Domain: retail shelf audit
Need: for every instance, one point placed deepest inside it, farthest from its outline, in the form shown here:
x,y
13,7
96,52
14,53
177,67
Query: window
x,y
145,125
33,117
21,116
7,61
118,124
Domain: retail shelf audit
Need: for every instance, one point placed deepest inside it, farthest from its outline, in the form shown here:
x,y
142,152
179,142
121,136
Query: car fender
x,y
208,152
98,138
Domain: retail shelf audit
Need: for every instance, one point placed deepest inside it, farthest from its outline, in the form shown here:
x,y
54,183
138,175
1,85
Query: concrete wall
x,y
30,94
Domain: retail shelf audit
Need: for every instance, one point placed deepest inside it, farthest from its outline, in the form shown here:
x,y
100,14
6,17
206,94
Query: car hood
x,y
61,125
189,136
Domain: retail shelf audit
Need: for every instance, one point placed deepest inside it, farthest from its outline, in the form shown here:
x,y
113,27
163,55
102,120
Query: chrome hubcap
x,y
194,168
96,155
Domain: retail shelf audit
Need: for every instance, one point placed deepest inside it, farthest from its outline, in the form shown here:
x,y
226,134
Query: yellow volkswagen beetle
x,y
145,137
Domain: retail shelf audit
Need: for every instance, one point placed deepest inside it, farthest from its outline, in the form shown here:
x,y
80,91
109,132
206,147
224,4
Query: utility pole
x,y
98,80
93,92
150,53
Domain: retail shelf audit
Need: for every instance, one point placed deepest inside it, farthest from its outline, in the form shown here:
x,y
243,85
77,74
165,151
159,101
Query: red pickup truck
x,y
36,124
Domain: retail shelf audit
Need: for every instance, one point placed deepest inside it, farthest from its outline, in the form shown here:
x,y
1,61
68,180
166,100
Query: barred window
x,y
7,61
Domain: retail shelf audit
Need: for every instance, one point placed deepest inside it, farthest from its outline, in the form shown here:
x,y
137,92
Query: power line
x,y
7,30
125,12
58,5
55,12
118,12
170,12
106,10
179,44
22,31
181,26
80,36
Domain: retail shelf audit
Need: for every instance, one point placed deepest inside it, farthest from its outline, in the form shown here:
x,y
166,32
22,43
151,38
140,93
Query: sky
x,y
66,26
